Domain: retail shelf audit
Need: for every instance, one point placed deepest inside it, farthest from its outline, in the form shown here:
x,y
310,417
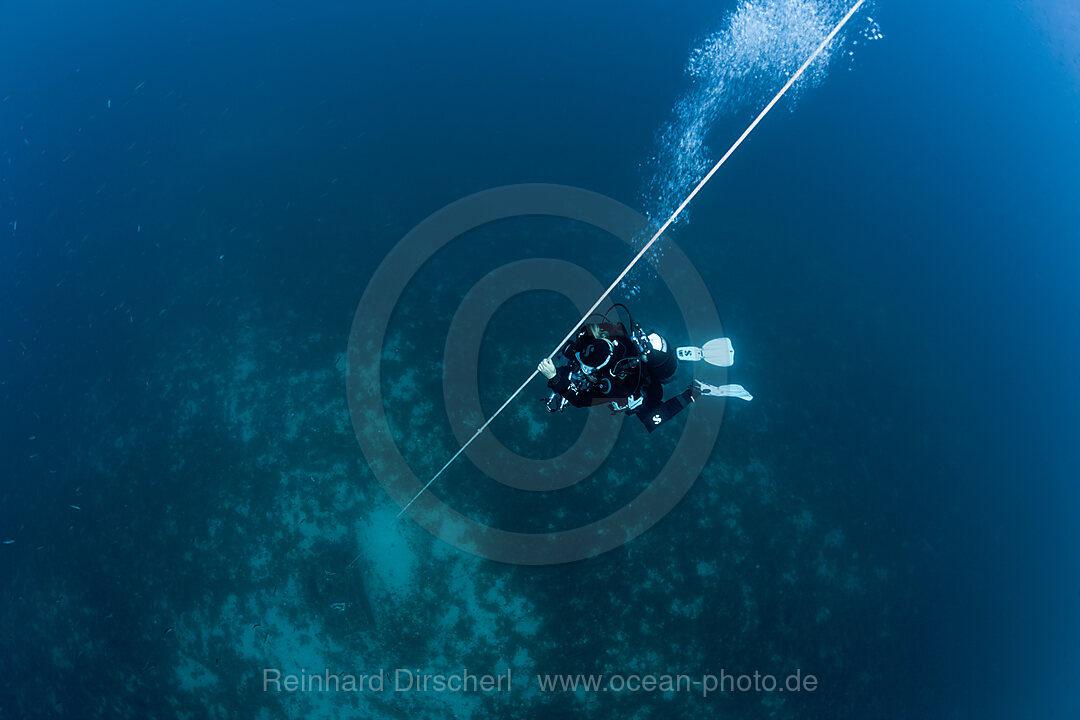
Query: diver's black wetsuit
x,y
624,379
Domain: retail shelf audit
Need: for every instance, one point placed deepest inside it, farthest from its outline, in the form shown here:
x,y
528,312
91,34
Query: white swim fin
x,y
737,391
715,352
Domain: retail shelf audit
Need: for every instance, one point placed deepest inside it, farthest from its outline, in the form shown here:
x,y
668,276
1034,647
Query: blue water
x,y
194,197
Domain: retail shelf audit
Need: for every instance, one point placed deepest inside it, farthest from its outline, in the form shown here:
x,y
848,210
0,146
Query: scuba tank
x,y
660,362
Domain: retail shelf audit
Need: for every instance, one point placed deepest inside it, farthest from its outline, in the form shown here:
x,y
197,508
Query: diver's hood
x,y
594,354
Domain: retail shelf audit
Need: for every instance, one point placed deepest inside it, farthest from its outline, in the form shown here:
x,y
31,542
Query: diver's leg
x,y
655,413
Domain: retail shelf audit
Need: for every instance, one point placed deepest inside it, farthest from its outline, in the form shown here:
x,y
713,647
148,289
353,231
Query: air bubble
x,y
734,73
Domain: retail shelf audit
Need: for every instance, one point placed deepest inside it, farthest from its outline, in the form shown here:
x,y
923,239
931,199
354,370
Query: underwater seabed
x,y
281,551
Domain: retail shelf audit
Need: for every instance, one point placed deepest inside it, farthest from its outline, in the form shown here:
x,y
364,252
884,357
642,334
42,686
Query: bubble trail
x,y
733,70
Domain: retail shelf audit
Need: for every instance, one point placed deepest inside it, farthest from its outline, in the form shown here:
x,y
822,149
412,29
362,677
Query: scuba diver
x,y
606,363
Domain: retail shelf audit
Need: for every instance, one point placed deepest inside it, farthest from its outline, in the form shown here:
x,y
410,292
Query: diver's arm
x,y
560,383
